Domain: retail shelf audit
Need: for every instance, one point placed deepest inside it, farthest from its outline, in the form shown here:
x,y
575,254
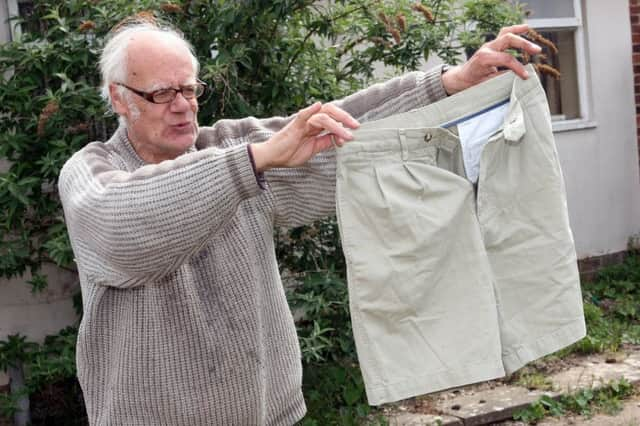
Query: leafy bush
x,y
611,309
585,402
263,58
50,378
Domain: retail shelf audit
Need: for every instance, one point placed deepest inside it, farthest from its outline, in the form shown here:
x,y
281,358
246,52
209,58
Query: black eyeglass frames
x,y
164,96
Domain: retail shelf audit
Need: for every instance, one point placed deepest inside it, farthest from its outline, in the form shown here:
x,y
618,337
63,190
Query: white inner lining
x,y
474,134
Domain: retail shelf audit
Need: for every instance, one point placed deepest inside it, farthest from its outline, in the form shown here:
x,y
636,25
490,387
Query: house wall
x,y
634,11
600,164
5,32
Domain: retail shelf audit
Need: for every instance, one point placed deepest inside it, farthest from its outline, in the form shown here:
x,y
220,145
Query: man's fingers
x,y
324,126
486,61
325,123
340,115
502,59
321,143
336,141
515,29
306,113
512,41
326,141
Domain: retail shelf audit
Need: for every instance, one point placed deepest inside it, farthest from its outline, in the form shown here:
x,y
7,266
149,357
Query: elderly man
x,y
185,318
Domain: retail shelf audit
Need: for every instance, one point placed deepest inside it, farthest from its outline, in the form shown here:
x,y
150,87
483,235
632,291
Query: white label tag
x,y
474,134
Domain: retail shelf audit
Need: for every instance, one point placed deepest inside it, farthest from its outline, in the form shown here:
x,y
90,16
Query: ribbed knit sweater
x,y
185,317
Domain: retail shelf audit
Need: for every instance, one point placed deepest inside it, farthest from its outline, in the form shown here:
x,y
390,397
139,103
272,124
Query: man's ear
x,y
119,103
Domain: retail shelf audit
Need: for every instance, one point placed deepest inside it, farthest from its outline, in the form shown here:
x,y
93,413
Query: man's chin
x,y
183,137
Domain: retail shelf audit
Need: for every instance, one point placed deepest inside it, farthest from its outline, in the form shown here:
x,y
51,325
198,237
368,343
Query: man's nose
x,y
180,103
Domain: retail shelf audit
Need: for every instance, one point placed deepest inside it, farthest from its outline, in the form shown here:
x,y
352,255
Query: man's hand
x,y
314,129
491,55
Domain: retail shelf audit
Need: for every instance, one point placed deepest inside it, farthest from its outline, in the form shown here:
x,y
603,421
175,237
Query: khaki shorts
x,y
452,283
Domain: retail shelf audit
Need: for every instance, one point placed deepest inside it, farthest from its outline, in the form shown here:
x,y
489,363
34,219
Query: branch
x,y
340,76
351,45
313,31
299,51
280,16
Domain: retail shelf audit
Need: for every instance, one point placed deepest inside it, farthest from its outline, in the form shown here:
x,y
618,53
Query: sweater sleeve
x,y
137,226
404,93
307,193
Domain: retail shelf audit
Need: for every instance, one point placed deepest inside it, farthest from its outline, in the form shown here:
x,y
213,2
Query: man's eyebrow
x,y
158,85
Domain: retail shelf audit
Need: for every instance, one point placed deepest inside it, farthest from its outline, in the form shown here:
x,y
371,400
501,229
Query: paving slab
x,y
629,416
598,370
489,406
496,401
416,419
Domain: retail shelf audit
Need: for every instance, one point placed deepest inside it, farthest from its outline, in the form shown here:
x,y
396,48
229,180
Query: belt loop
x,y
514,127
404,149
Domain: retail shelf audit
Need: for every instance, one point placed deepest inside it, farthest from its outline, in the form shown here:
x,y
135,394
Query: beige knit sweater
x,y
185,318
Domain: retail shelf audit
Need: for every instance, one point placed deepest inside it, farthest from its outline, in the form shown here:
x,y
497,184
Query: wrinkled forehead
x,y
156,61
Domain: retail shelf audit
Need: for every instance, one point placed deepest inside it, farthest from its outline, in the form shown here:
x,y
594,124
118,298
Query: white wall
x,y
5,33
41,314
601,164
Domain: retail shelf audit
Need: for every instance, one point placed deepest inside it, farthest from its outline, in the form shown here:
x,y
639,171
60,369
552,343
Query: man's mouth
x,y
182,127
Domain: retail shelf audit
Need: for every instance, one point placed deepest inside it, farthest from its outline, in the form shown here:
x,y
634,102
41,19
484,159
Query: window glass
x,y
546,9
562,94
25,10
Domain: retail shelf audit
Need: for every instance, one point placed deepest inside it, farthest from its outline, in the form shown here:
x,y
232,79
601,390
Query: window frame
x,y
575,24
13,11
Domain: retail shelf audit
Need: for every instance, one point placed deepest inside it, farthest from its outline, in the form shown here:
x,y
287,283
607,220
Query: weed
x,y
8,405
611,309
585,402
535,380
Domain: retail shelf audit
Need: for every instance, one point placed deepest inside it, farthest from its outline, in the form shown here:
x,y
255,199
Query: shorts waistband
x,y
411,129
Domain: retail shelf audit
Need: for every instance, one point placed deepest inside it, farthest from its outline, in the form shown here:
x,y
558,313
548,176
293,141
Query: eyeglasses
x,y
164,96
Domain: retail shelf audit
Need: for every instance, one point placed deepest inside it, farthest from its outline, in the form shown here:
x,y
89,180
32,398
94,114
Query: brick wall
x,y
589,266
634,13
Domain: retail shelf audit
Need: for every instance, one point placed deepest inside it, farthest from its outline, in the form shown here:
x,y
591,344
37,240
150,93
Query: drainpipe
x,y
22,417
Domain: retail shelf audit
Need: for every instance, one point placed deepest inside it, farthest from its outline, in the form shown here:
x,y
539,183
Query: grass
x,y
612,309
534,381
612,314
606,399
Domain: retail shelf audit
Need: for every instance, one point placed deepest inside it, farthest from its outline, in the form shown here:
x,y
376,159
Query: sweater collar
x,y
129,153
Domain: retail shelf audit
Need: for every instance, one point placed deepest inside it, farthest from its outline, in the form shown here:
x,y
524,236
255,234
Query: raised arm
x,y
307,192
404,93
140,225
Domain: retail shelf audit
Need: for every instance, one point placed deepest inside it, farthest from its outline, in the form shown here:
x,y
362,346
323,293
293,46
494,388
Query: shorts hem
x,y
545,345
430,383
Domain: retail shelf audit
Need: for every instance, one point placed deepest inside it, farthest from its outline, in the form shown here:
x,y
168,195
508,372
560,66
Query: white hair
x,y
113,60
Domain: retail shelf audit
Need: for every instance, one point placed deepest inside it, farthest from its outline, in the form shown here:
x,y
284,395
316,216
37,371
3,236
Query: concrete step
x,y
496,401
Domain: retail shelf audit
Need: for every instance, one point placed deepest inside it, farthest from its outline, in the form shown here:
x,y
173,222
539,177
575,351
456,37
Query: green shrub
x,y
263,58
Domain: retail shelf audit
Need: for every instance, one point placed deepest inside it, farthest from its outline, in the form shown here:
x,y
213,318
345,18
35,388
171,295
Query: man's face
x,y
158,131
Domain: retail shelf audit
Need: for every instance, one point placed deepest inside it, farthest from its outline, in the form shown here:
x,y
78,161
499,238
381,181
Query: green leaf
x,y
38,283
16,191
352,393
